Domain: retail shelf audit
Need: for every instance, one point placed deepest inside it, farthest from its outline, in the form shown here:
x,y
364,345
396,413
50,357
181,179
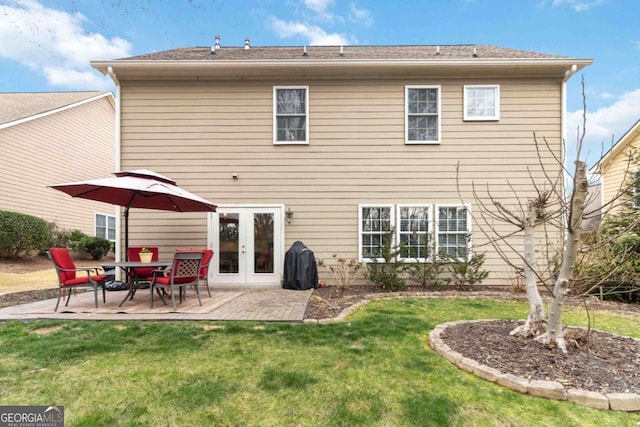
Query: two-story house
x,y
52,137
334,145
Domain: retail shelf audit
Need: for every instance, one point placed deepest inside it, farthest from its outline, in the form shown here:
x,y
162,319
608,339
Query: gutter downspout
x,y
563,118
563,123
117,148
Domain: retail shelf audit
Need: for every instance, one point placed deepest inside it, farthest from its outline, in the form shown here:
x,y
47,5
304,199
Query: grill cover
x,y
300,269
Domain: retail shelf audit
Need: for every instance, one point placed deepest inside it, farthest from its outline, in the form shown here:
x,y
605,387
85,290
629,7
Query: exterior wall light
x,y
289,216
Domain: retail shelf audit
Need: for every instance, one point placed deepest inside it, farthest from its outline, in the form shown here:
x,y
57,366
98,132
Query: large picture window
x,y
105,227
291,115
482,102
422,123
422,231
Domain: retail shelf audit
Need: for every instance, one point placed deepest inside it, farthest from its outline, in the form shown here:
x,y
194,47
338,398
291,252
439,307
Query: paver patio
x,y
268,304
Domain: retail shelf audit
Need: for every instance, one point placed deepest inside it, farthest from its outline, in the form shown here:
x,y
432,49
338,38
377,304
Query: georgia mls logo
x,y
31,416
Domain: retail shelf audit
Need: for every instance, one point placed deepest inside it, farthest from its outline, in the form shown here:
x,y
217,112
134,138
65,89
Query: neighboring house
x,y
53,137
331,145
619,166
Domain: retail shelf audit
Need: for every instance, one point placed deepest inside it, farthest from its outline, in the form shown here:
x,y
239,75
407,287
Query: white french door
x,y
248,244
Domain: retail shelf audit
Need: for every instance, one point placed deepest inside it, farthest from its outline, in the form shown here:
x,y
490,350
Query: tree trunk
x,y
535,324
554,334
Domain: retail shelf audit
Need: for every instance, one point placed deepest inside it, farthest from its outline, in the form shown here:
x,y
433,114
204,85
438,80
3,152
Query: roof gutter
x,y
103,66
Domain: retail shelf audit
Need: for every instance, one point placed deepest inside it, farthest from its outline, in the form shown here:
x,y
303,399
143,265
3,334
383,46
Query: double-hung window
x,y
105,226
481,102
422,122
291,115
414,232
422,231
453,231
375,224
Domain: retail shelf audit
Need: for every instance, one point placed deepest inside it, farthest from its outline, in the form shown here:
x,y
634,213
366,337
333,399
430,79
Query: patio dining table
x,y
128,267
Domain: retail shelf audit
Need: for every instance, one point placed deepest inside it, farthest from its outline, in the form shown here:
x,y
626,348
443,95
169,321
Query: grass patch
x,y
374,369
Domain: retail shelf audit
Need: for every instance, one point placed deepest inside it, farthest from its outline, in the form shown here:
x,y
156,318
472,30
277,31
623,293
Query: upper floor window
x,y
481,102
291,115
105,227
422,124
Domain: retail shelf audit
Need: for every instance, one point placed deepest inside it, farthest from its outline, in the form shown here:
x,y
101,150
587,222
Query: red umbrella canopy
x,y
138,189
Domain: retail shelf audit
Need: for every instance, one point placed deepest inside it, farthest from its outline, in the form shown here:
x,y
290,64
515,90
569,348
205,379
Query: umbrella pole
x,y
126,233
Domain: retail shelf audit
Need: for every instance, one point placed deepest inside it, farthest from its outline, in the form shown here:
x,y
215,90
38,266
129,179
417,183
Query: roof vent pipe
x,y
341,50
437,50
247,43
475,52
217,46
304,51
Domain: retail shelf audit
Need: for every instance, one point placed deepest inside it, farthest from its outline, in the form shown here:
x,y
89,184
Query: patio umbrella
x,y
140,188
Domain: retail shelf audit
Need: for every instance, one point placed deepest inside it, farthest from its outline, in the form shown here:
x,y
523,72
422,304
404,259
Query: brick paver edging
x,y
628,402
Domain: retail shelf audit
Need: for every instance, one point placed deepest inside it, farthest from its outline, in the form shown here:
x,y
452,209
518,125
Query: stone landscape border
x,y
627,402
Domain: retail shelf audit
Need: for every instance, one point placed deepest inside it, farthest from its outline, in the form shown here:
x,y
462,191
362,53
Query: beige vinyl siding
x,y
615,172
200,133
70,145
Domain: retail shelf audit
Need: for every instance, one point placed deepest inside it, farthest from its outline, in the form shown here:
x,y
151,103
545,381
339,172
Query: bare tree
x,y
559,214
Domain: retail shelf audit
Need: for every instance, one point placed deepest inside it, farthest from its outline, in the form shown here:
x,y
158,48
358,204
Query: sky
x,y
47,45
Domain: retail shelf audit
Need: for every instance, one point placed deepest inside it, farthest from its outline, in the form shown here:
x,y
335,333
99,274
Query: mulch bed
x,y
598,361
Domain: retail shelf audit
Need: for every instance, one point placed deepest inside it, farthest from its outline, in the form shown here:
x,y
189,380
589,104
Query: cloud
x,y
55,44
605,125
579,5
312,33
361,16
319,6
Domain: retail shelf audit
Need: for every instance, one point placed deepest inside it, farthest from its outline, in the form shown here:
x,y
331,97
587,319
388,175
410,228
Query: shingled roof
x,y
372,53
20,105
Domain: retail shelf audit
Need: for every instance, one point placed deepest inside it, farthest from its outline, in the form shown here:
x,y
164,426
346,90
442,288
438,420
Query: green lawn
x,y
375,369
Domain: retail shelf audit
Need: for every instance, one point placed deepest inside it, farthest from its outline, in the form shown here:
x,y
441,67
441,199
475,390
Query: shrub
x,y
21,234
343,271
387,274
75,239
96,247
467,271
428,273
595,273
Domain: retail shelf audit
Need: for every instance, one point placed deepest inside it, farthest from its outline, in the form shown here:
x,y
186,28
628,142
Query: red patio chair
x,y
204,266
185,272
66,271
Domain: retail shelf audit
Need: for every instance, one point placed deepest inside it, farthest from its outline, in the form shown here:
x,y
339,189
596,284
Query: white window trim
x,y
469,224
360,231
429,228
406,114
107,216
495,117
275,116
